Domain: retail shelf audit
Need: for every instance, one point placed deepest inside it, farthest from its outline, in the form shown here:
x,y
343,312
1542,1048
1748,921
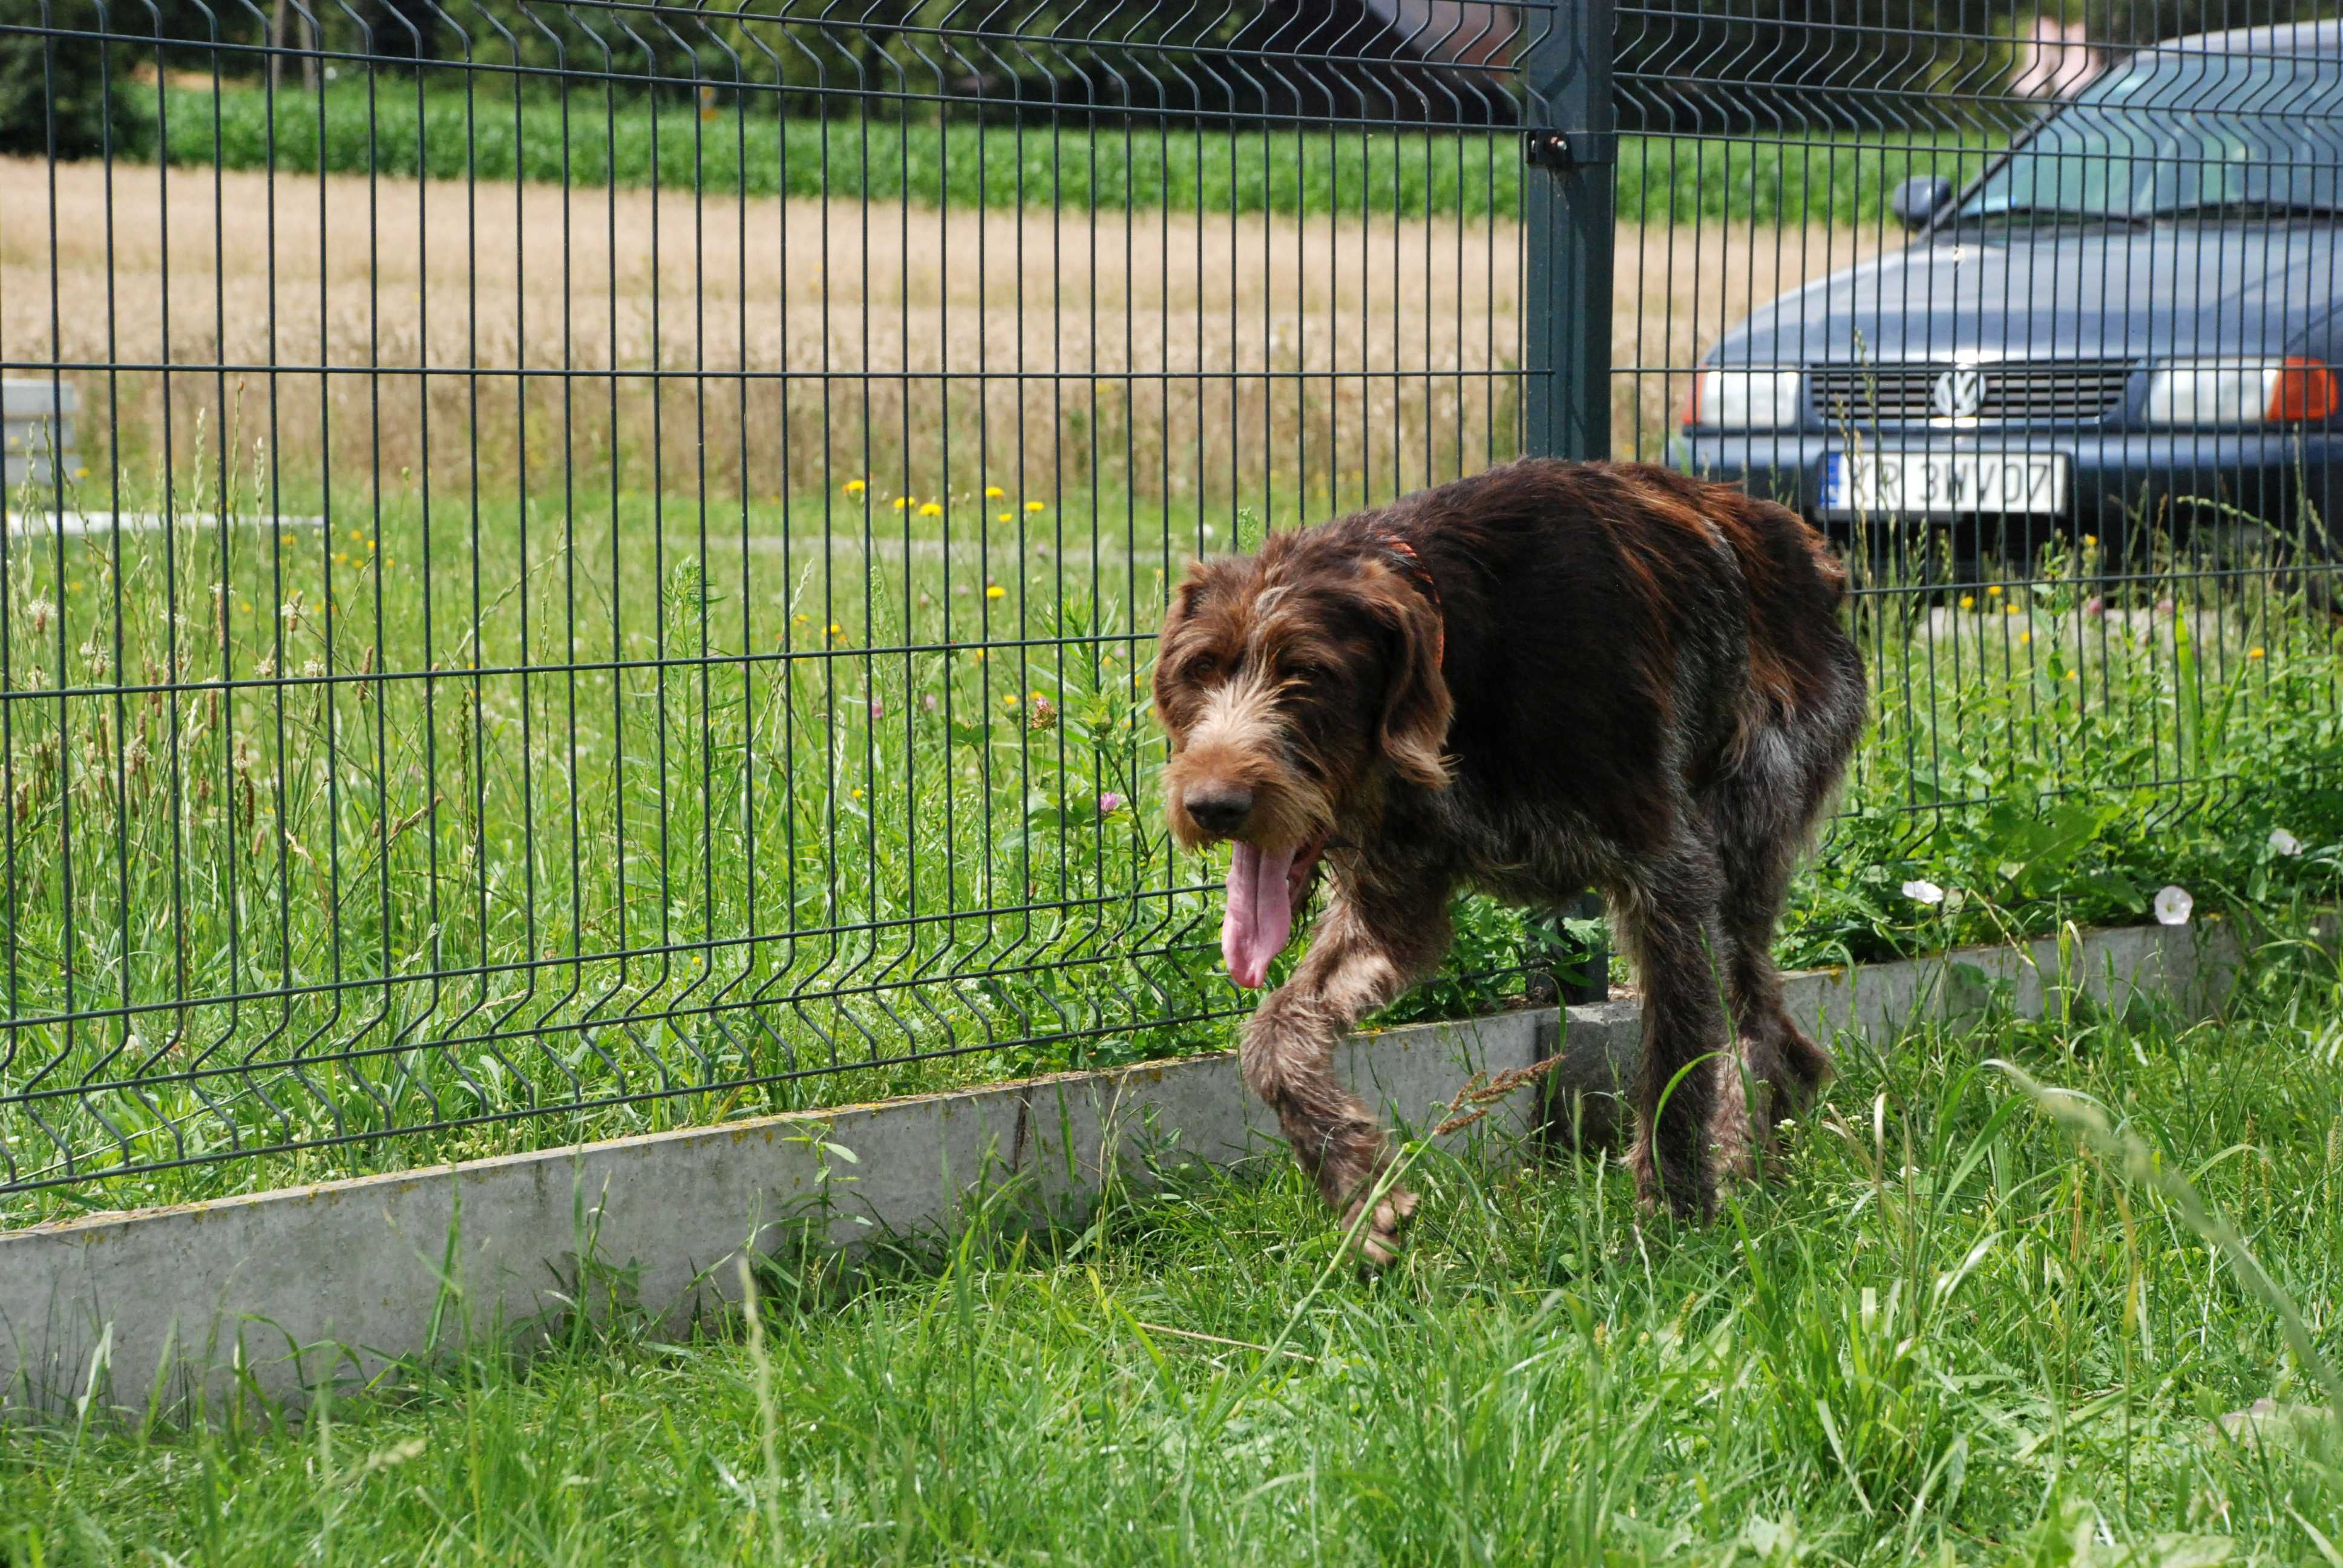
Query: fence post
x,y
1570,150
1570,153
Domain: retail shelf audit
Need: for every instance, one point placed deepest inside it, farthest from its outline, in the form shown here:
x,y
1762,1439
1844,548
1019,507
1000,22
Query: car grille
x,y
2027,392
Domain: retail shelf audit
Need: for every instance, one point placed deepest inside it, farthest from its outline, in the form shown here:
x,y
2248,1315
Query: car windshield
x,y
2171,134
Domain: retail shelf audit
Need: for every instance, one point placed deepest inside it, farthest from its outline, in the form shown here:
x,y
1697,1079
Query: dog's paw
x,y
1377,1238
1659,1191
1735,1140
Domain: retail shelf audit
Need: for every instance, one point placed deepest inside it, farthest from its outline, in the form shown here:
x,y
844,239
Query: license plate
x,y
1943,483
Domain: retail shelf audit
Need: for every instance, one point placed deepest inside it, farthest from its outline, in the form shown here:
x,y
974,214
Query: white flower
x,y
2284,843
1924,892
2172,907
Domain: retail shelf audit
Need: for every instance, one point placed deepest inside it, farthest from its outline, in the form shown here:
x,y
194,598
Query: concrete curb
x,y
338,1280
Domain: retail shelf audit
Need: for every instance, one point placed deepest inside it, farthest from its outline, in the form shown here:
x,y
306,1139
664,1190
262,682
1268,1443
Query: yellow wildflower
x,y
1010,700
856,486
835,628
2091,539
2024,638
995,591
1033,507
2010,608
1969,601
1995,590
932,509
1004,516
993,492
977,657
2253,653
902,501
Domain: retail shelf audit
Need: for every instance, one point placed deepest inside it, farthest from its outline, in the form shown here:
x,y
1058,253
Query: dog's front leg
x,y
1362,955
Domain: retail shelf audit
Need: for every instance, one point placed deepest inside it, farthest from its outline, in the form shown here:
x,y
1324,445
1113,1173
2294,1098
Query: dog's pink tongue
x,y
1259,915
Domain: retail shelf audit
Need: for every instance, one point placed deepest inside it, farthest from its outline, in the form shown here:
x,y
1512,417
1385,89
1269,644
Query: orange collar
x,y
1421,575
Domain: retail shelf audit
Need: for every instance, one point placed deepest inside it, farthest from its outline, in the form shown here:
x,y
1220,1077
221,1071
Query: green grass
x,y
711,813
743,150
1958,1332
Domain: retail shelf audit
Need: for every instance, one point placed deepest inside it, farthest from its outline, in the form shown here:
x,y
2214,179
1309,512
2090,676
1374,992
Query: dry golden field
x,y
762,344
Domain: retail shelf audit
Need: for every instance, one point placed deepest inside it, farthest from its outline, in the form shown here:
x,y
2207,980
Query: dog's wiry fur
x,y
1548,676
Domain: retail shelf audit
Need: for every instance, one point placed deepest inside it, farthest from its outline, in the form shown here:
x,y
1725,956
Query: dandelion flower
x,y
996,591
835,628
932,509
2091,539
856,486
2024,638
977,657
993,492
801,617
1034,506
1969,601
858,794
2254,653
2010,608
1994,591
902,501
1110,803
2172,907
1010,700
2284,843
1004,516
1924,892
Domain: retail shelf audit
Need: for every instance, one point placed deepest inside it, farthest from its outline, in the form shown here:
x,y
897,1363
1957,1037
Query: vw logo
x,y
1958,394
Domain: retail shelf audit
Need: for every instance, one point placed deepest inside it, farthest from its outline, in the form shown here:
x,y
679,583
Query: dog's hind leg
x,y
1362,954
1765,813
1762,823
1667,914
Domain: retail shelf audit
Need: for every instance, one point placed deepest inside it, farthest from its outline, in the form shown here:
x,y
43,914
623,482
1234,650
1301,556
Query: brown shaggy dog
x,y
1549,677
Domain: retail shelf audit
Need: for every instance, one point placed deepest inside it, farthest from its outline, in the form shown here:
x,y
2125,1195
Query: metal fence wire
x,y
580,566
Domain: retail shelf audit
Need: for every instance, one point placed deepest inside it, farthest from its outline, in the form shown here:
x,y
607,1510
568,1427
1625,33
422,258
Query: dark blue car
x,y
2134,316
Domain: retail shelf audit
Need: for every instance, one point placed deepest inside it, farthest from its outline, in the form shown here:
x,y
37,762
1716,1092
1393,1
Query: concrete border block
x,y
341,1279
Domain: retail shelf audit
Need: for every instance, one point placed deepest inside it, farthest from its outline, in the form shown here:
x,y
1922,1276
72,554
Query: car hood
x,y
2078,293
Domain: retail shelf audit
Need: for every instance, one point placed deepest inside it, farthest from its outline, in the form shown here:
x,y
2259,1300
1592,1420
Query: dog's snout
x,y
1218,807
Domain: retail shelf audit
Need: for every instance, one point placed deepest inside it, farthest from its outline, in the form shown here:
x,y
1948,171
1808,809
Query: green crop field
x,y
2019,1297
743,148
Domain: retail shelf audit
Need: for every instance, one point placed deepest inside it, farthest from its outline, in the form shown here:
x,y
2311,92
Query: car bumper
x,y
2117,481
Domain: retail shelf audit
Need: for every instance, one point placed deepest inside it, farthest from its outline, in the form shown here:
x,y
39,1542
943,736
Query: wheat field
x,y
362,329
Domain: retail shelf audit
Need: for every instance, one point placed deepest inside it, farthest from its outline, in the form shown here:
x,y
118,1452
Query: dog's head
x,y
1294,685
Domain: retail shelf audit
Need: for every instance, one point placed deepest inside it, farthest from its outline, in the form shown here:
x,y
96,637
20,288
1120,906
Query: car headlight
x,y
2239,392
1764,399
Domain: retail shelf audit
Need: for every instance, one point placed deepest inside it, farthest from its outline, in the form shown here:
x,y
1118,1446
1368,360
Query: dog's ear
x,y
1417,707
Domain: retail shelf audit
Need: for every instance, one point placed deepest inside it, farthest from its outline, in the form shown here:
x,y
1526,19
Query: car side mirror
x,y
1920,198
